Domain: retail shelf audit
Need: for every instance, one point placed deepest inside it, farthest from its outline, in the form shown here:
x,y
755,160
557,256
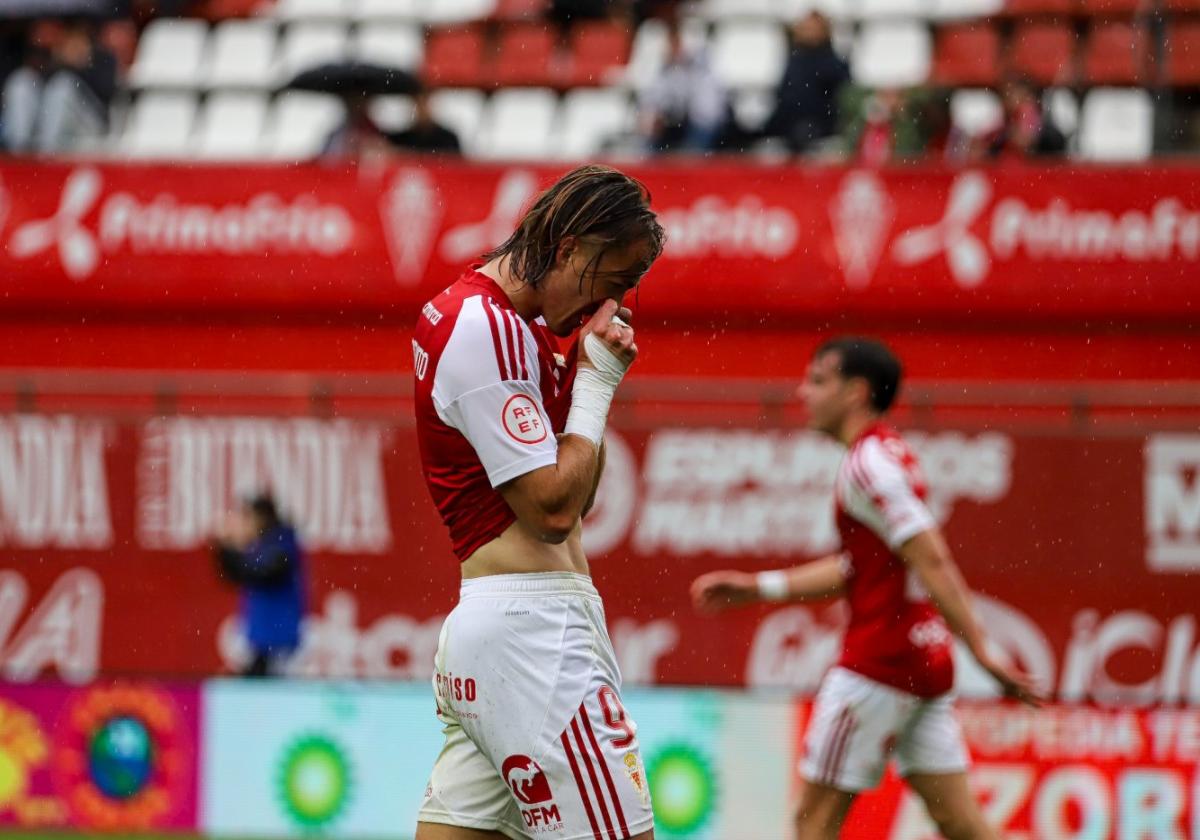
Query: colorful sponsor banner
x,y
714,762
744,241
304,759
1061,773
110,757
103,523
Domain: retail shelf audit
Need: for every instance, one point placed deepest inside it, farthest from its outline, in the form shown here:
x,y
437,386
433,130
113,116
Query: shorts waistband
x,y
533,583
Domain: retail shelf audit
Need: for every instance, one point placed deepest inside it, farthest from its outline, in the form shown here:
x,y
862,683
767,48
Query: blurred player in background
x,y
890,695
511,439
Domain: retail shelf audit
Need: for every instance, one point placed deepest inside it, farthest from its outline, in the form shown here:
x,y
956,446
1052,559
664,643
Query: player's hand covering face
x,y
586,275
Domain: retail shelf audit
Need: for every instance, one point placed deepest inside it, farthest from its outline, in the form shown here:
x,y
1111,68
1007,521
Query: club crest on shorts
x,y
523,420
637,775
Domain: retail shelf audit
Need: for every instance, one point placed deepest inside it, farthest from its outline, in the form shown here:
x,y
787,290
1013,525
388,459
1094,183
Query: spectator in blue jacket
x,y
259,552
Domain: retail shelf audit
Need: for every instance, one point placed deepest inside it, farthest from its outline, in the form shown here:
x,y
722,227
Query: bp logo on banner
x,y
301,760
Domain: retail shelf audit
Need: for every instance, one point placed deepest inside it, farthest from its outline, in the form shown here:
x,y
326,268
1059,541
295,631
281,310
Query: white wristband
x,y
594,388
773,585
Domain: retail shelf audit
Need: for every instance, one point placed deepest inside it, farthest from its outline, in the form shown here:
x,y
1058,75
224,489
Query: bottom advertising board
x,y
107,757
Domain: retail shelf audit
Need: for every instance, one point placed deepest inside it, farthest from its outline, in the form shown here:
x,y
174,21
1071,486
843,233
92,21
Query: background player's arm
x,y
817,580
928,555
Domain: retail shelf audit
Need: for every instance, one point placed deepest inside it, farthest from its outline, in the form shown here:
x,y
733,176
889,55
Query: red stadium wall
x,y
1066,470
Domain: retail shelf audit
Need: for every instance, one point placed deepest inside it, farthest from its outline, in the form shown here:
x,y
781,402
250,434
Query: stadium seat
x,y
525,56
241,55
749,53
231,126
442,12
454,57
290,10
1116,54
1043,53
461,111
976,112
965,9
407,10
392,113
160,125
723,9
1116,124
591,117
518,125
1106,8
299,124
513,10
891,54
169,53
389,45
308,45
893,9
752,108
1182,55
599,52
1033,8
966,54
1184,6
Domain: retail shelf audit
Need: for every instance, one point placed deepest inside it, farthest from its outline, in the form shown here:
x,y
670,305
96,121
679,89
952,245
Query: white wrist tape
x,y
594,388
773,585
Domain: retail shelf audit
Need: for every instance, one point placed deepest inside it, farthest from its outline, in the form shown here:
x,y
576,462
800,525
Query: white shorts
x,y
857,724
537,741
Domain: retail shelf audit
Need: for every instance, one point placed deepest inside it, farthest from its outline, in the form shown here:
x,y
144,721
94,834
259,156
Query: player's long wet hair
x,y
867,359
596,204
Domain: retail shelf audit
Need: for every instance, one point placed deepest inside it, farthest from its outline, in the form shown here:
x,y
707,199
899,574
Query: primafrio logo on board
x,y
166,224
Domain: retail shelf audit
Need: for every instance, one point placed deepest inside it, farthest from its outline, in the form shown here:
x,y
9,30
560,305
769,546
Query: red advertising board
x,y
1084,550
1060,773
744,242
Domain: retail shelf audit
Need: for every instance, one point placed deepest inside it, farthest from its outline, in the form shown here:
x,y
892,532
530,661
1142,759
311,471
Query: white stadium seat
x,y
308,45
311,9
392,113
389,45
408,10
722,9
975,111
459,110
749,53
455,11
299,124
891,54
241,55
231,126
590,117
965,9
754,107
1063,107
160,125
518,125
1116,124
169,54
891,9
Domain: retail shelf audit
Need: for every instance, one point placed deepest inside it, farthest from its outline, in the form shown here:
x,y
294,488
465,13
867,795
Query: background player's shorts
x,y
858,724
537,741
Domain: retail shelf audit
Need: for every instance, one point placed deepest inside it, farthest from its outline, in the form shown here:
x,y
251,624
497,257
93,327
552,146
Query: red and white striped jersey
x,y
896,636
490,395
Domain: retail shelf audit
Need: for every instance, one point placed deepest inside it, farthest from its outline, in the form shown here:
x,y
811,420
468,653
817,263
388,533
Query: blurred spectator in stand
x,y
884,125
58,99
685,108
806,108
258,552
357,136
943,140
426,134
1026,130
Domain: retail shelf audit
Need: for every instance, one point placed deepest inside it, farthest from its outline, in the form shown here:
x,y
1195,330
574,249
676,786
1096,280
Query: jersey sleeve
x,y
486,386
899,512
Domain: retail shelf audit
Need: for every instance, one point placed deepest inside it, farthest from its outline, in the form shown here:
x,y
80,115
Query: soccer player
x,y
511,440
890,695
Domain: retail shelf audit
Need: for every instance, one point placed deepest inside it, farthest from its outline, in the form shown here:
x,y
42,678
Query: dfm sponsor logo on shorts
x,y
529,785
